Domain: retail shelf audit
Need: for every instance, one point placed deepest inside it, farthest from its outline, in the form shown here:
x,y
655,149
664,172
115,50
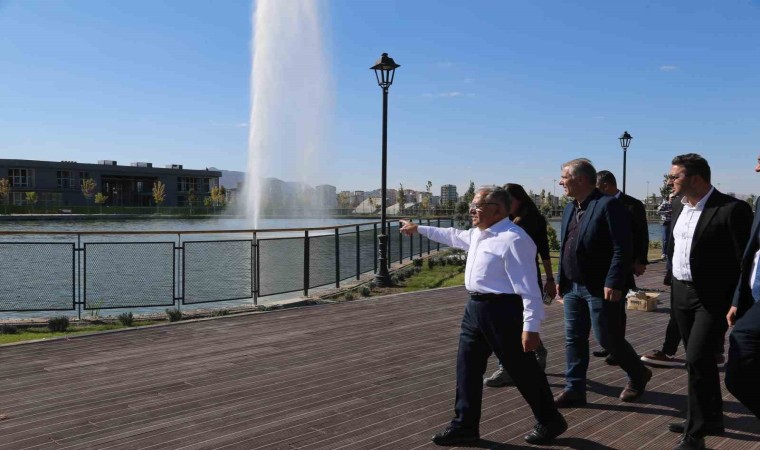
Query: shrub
x,y
431,263
173,314
58,324
8,329
126,319
442,262
365,291
394,280
417,269
372,285
219,313
349,295
400,276
417,262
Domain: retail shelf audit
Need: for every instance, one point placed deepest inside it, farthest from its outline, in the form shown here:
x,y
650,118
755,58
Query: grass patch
x,y
29,334
435,277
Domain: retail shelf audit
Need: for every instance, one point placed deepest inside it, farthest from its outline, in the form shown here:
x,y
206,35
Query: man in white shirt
x,y
709,231
503,316
743,367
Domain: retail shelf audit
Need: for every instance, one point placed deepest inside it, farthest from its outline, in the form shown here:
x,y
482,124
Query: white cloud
x,y
668,68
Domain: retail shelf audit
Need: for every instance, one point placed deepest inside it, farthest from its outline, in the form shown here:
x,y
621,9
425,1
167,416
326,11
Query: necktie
x,y
756,284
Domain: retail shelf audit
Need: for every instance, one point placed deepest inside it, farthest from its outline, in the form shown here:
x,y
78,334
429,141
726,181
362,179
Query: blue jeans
x,y
665,234
584,311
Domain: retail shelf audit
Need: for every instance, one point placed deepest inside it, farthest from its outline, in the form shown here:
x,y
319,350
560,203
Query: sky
x,y
488,91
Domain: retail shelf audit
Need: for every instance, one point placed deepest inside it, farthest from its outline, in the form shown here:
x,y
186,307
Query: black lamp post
x,y
625,141
385,69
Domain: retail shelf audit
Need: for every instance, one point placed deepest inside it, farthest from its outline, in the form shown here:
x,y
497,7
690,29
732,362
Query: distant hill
x,y
230,178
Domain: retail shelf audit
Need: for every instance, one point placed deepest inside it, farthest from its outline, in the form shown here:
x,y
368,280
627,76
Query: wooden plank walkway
x,y
374,373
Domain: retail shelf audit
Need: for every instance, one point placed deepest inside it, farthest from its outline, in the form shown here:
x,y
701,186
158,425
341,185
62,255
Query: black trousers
x,y
494,324
743,366
703,324
672,336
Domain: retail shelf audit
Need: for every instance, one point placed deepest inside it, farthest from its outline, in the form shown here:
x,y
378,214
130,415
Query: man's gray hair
x,y
497,194
582,167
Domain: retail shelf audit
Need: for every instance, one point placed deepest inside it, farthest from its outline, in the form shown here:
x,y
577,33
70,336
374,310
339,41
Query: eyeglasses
x,y
479,206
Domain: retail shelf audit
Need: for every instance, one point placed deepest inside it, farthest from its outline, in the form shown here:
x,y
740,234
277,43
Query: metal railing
x,y
87,270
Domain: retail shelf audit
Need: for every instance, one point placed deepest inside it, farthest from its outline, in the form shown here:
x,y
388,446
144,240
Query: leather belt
x,y
686,283
481,297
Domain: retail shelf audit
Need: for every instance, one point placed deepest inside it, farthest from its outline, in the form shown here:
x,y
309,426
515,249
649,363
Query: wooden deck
x,y
375,373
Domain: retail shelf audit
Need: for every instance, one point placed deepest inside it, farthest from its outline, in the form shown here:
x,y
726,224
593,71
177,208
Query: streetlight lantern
x,y
385,70
625,141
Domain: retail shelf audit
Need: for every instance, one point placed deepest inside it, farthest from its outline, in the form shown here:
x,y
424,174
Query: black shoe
x,y
691,443
600,353
634,391
454,436
545,434
711,429
569,399
611,361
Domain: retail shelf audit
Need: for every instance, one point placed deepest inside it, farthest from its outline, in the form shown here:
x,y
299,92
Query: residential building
x,y
449,194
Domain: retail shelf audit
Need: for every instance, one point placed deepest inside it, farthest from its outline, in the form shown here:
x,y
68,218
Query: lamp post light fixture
x,y
385,69
625,141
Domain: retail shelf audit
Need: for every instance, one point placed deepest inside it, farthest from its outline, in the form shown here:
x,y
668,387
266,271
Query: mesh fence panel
x,y
217,270
281,265
394,243
321,260
347,255
130,274
367,243
36,277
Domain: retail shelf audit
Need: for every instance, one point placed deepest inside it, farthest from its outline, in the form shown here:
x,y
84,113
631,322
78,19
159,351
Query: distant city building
x,y
449,194
59,183
357,197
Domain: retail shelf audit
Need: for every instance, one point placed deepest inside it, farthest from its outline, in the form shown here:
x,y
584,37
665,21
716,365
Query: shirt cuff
x,y
532,325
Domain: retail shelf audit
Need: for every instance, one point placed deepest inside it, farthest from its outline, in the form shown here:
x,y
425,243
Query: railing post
x,y
255,269
306,263
79,252
437,245
374,245
386,232
400,248
337,259
420,241
358,253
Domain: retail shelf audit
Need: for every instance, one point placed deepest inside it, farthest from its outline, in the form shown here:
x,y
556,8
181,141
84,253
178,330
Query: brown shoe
x,y
632,391
569,399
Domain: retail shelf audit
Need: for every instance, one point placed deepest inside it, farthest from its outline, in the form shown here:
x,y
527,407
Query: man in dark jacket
x,y
595,263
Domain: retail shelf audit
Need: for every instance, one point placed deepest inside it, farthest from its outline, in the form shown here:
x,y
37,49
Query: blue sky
x,y
488,91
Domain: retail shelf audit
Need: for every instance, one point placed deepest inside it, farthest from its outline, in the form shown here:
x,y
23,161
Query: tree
x,y
88,190
159,193
665,189
427,197
218,195
462,214
100,199
191,199
5,189
751,200
400,198
563,201
31,199
552,235
470,194
343,200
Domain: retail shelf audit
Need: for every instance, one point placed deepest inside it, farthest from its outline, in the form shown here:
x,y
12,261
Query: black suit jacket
x,y
639,227
743,295
716,249
604,244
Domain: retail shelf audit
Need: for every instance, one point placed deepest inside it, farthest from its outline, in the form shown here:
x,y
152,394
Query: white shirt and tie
x,y
500,260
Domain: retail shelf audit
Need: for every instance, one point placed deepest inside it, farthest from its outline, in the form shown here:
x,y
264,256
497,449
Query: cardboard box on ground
x,y
642,301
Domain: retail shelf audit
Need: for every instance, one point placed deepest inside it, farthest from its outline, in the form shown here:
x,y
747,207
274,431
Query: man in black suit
x,y
709,231
743,367
595,262
607,185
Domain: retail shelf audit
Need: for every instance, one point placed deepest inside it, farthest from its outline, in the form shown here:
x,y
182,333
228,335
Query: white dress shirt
x,y
500,260
683,235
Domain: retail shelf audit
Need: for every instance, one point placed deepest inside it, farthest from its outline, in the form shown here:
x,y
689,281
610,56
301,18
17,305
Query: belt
x,y
481,297
686,283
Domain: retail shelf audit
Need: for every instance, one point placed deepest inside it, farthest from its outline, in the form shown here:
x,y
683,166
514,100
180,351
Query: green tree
x,y
191,198
462,214
159,194
31,199
88,190
400,198
552,235
5,189
751,200
100,199
665,189
563,201
426,198
470,194
343,200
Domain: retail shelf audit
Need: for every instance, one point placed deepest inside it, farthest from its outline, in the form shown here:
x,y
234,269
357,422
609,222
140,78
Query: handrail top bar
x,y
165,232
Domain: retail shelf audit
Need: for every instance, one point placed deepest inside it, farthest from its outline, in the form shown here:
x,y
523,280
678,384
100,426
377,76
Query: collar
x,y
502,225
701,203
618,194
596,193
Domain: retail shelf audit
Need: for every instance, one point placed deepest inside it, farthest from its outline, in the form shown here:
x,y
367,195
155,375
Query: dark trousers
x,y
672,336
743,366
702,327
495,325
584,311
